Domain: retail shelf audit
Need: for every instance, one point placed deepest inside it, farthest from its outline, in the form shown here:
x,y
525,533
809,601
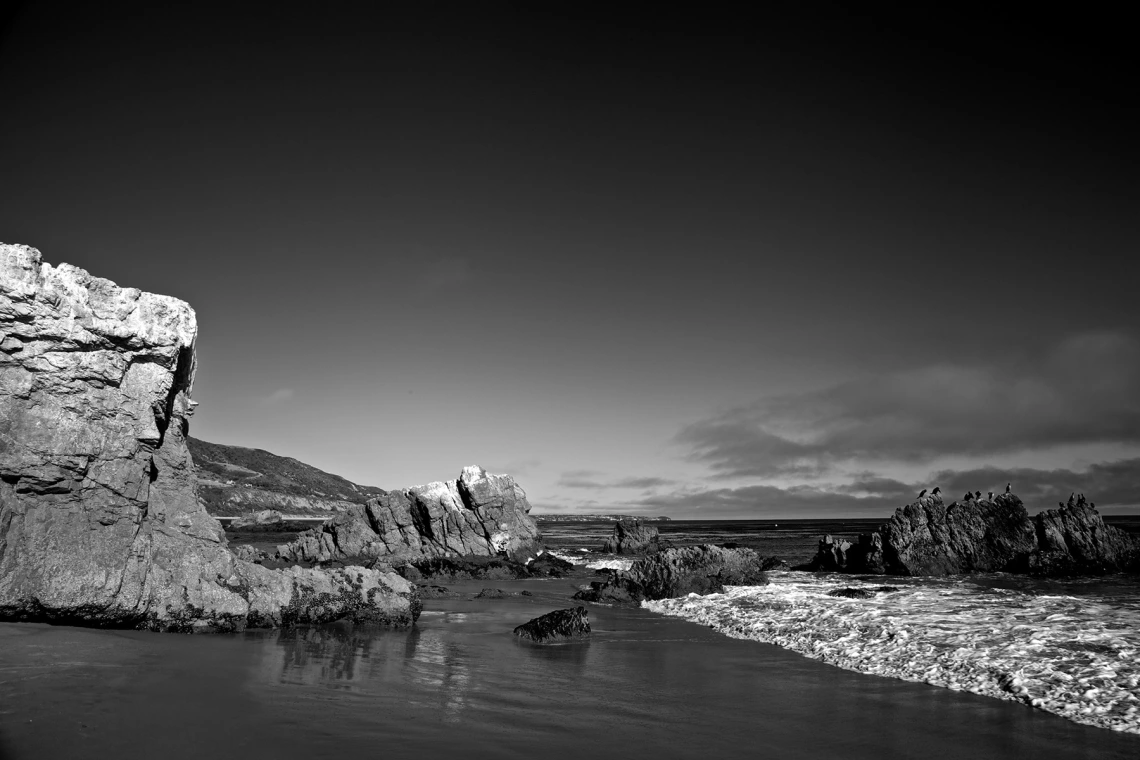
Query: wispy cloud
x,y
589,479
1083,391
278,396
1108,484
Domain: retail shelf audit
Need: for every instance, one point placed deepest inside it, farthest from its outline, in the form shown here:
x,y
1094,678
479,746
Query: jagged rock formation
x,y
236,481
477,515
1073,540
631,537
560,625
100,522
704,569
928,537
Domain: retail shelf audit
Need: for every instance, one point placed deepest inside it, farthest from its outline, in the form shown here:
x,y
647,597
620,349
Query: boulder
x,y
477,514
674,572
861,593
560,625
631,537
498,593
265,520
100,520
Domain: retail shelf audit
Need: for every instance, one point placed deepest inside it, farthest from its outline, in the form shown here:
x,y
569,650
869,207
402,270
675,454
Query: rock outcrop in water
x,y
100,522
928,537
632,537
704,569
476,515
560,625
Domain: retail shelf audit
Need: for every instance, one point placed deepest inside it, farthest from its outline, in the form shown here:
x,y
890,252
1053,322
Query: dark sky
x,y
781,265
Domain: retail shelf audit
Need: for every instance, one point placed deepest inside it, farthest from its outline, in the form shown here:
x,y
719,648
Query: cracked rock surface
x,y
100,522
477,514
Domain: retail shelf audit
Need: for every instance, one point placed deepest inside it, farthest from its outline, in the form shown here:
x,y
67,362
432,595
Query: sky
x,y
799,264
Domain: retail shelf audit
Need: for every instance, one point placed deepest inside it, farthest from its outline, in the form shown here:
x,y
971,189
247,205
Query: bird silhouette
x,y
936,491
991,496
1007,487
922,493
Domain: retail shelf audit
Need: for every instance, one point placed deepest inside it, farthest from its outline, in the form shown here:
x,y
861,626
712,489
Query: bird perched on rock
x,y
922,493
1007,487
990,496
936,491
978,495
968,497
1072,500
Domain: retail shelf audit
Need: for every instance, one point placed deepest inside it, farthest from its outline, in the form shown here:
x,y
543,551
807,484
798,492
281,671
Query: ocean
x,y
746,673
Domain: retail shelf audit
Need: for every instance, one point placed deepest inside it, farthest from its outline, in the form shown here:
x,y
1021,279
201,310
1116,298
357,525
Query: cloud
x,y
1108,484
1084,390
641,483
588,479
278,396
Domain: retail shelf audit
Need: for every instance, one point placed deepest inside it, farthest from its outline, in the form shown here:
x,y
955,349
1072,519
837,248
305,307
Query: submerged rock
x,y
560,625
476,515
100,521
861,593
631,537
704,569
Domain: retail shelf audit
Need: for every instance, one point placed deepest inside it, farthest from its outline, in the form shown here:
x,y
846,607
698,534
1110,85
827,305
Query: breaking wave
x,y
1074,655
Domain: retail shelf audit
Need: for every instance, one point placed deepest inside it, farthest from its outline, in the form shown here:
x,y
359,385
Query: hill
x,y
234,480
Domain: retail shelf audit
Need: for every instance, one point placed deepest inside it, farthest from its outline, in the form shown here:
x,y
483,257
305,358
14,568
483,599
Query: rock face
x,y
100,522
1073,540
927,537
705,569
560,625
631,537
476,515
237,481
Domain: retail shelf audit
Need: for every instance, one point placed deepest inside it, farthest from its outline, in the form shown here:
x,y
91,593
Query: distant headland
x,y
596,518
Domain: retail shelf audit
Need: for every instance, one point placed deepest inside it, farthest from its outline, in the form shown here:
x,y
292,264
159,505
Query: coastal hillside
x,y
234,480
597,518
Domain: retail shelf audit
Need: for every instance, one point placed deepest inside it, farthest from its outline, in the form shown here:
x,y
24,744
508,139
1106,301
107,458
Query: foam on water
x,y
608,563
1076,656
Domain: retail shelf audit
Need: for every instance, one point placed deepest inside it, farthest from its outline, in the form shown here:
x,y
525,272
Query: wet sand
x,y
459,683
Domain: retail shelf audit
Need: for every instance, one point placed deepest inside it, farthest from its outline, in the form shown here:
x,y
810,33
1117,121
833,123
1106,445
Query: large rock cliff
x,y
100,522
476,515
928,537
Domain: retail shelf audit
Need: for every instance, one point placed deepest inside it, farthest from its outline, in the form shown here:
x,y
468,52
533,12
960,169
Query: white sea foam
x,y
610,563
1078,657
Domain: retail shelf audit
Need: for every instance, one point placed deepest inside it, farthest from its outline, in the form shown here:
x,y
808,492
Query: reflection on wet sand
x,y
375,661
442,669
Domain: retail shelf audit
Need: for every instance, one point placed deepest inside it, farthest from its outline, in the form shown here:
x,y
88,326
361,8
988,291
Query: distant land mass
x,y
233,480
597,518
